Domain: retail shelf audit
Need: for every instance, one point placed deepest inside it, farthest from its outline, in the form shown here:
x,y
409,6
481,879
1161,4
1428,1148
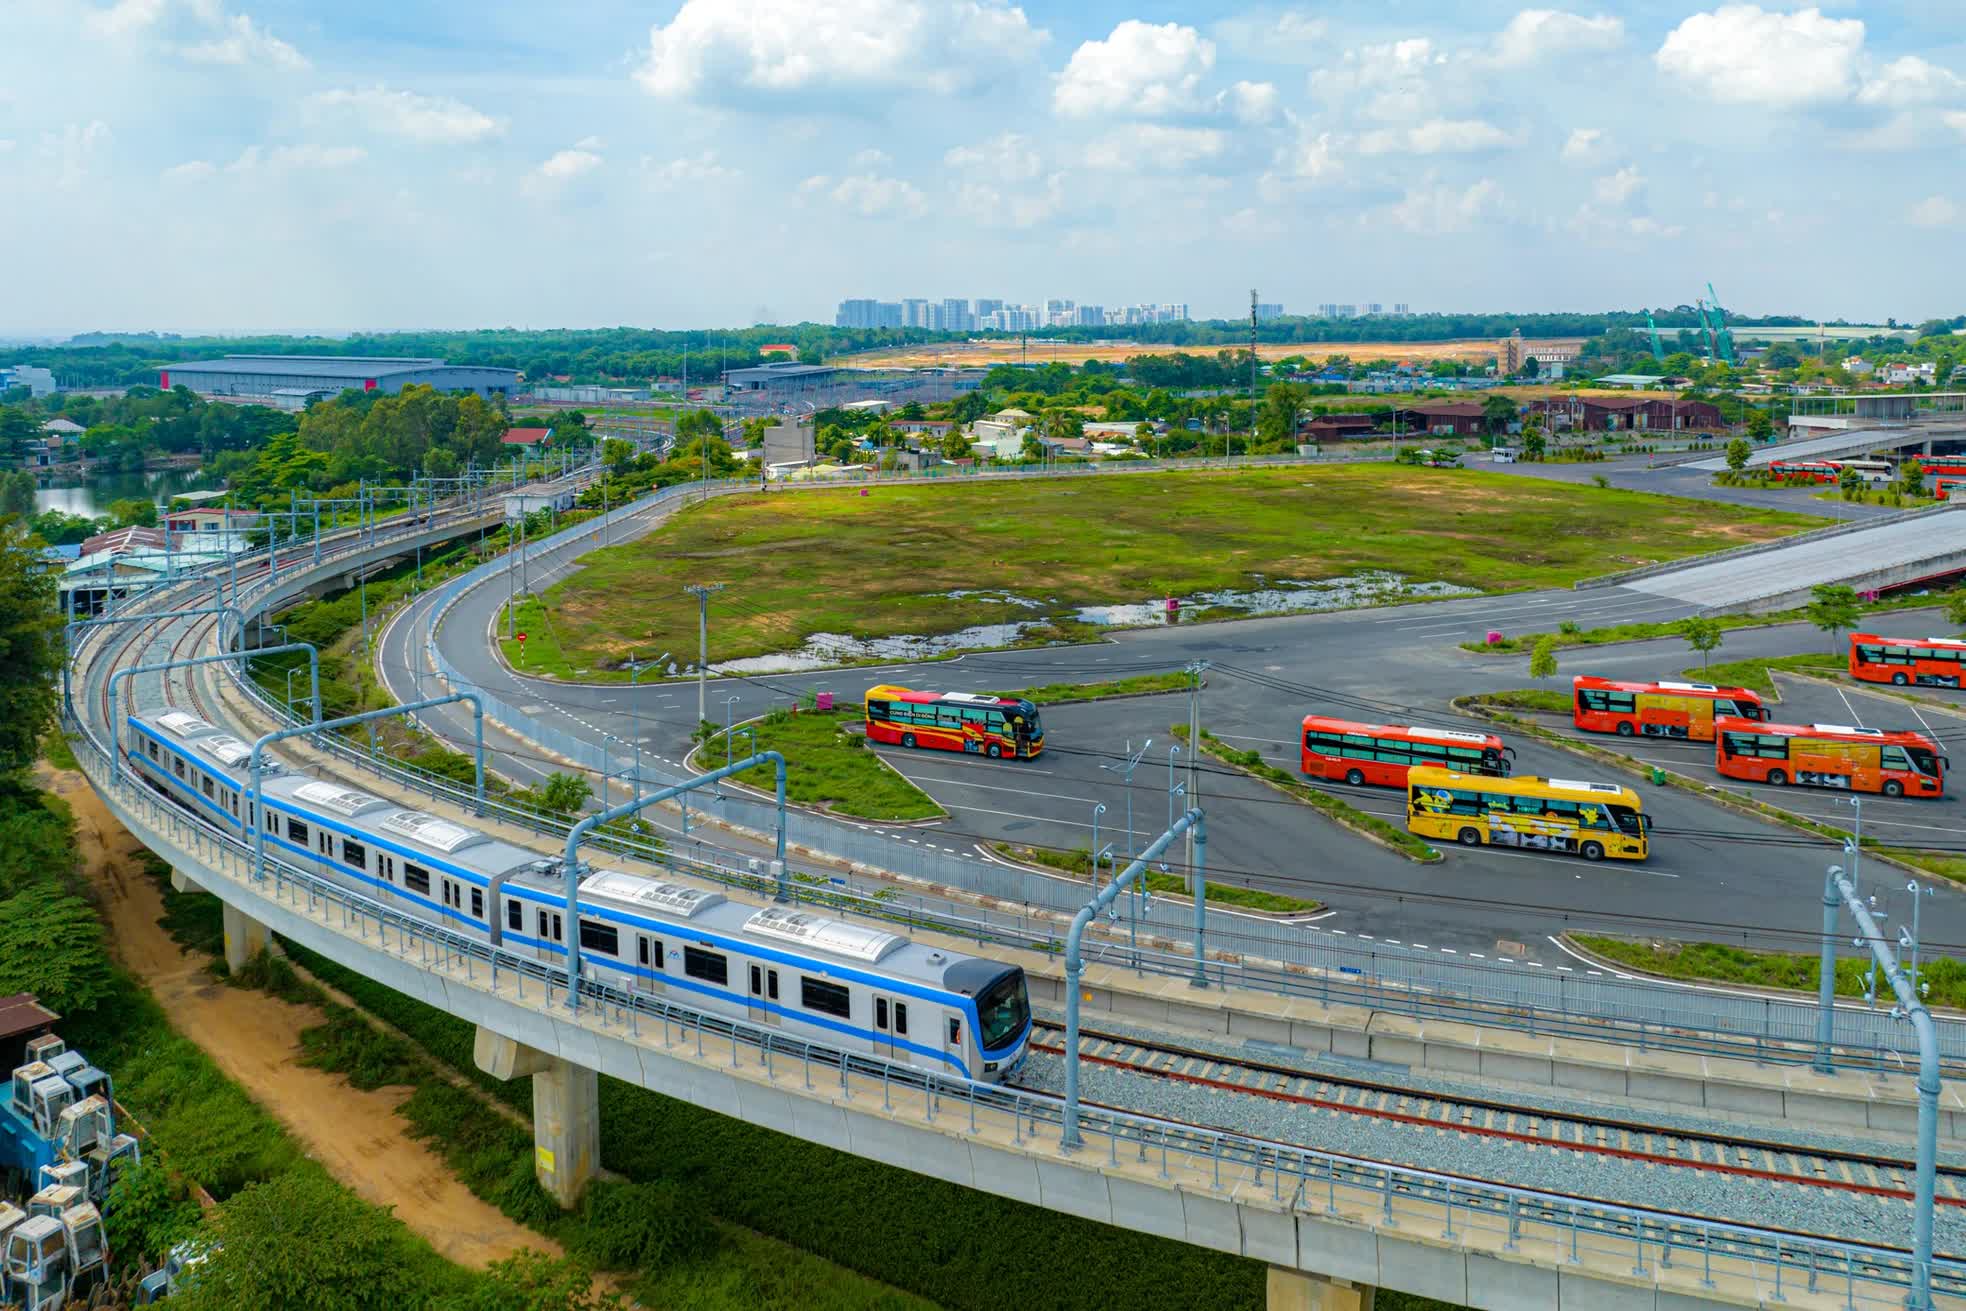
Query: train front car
x,y
999,1015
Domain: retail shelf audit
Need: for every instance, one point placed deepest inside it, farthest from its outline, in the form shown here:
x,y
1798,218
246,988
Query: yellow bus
x,y
1592,820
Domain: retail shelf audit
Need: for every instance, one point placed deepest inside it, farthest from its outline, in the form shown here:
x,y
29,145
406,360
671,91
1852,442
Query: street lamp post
x,y
635,709
729,702
1098,809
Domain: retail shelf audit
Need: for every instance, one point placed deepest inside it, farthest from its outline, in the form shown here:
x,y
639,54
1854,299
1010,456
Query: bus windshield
x,y
1629,820
1002,1009
1924,761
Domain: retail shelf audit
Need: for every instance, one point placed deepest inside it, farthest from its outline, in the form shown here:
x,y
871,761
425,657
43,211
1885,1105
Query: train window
x,y
417,879
650,953
450,894
152,748
177,767
477,903
354,853
764,983
550,926
296,832
955,1031
385,865
901,1017
771,984
596,936
757,981
826,998
515,916
206,782
709,965
880,1013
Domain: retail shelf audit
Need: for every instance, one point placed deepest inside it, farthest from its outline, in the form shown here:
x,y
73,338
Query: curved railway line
x,y
1603,1136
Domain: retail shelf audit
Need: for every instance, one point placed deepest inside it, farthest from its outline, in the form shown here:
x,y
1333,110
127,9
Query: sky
x,y
288,165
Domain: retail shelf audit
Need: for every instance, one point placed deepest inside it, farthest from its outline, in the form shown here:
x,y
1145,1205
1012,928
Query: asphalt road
x,y
1728,876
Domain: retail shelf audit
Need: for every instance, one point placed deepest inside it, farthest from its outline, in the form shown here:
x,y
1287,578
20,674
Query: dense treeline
x,y
123,431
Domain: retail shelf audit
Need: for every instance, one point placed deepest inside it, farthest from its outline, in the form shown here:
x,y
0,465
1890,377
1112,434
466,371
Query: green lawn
x,y
1079,861
1767,969
1571,634
884,563
1053,694
1754,673
826,766
1526,698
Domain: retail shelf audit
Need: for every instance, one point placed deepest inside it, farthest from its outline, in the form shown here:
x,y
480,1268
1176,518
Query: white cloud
x,y
243,43
124,17
192,170
740,48
292,158
1619,187
1020,207
1436,209
1934,212
565,165
1909,81
1956,120
1394,80
869,195
1439,136
1253,102
1743,54
427,120
6,145
692,169
1313,157
870,158
1152,146
1586,145
73,148
1289,37
1537,34
1644,225
1139,69
1007,158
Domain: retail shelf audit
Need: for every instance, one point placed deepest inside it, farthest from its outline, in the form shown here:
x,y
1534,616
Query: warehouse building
x,y
274,379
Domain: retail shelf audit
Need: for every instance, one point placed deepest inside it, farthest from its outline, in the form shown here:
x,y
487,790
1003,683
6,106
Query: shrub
x,y
641,1226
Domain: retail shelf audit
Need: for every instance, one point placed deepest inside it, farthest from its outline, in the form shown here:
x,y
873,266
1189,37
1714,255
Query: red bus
x,y
1926,661
1831,756
1945,485
1382,753
1684,710
993,726
1951,466
1805,471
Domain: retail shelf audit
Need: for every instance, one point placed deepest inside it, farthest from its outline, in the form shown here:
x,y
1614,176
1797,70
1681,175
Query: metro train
x,y
850,986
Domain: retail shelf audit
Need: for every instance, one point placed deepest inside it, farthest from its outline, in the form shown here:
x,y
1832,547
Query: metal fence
x,y
1544,1228
1248,951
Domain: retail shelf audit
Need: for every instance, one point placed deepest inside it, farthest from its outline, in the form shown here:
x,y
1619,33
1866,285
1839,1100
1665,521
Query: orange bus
x,y
1831,756
1926,661
1382,753
1682,710
993,726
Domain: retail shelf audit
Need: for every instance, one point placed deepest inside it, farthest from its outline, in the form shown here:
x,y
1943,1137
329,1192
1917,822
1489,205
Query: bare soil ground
x,y
985,354
255,1039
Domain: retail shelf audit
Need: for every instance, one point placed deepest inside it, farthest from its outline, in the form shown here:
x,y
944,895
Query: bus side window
x,y
877,709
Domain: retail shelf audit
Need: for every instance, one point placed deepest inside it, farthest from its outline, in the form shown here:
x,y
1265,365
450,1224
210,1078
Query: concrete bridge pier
x,y
566,1111
1300,1290
245,937
183,882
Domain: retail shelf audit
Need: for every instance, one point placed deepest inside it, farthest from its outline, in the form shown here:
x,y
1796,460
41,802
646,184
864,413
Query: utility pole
x,y
703,592
1195,672
1252,372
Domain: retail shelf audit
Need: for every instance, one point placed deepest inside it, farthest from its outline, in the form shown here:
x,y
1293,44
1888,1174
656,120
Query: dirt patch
x,y
255,1040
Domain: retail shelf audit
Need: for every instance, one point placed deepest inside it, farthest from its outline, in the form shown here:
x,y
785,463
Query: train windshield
x,y
1002,1009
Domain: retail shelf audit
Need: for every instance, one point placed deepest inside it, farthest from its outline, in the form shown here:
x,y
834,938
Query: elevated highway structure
x,y
1331,1226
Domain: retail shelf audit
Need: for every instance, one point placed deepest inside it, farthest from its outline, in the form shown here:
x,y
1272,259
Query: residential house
x,y
530,438
1442,418
1628,414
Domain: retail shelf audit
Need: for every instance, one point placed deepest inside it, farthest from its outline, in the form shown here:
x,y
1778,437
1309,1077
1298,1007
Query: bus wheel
x,y
1591,851
1893,788
994,751
1899,679
1470,837
908,740
1776,777
1624,728
1355,777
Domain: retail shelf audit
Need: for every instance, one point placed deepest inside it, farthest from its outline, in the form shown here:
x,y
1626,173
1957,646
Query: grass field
x,y
885,564
1764,969
981,355
826,766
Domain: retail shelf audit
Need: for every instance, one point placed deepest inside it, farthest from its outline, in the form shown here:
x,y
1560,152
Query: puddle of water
x,y
1286,596
992,598
825,650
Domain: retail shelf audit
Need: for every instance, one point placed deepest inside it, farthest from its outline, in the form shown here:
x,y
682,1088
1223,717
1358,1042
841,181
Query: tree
x,y
1911,478
561,794
17,494
617,455
1534,444
1738,452
1498,412
30,647
1760,426
1703,634
137,511
1283,405
1833,609
300,1239
1542,658
955,444
1849,481
531,1281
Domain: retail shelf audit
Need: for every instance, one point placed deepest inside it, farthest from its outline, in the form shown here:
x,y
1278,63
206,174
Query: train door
x,y
648,955
552,934
890,1025
764,994
952,1042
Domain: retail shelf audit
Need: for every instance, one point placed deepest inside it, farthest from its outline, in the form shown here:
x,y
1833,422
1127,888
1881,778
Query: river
x,y
91,496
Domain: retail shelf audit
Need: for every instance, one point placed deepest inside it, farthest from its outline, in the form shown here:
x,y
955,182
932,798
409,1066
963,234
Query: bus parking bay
x,y
1744,879
1938,822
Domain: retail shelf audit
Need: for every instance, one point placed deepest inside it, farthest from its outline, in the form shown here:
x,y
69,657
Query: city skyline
x,y
236,165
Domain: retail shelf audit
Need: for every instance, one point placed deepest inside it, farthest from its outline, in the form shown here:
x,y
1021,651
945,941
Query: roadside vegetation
x,y
1796,971
882,564
1053,694
1078,861
1332,806
828,764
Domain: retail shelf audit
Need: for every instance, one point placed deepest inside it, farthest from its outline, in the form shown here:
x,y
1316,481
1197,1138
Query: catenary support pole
x,y
703,592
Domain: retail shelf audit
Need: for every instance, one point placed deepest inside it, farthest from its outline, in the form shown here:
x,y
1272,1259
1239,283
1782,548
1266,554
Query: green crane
x,y
1658,353
1723,337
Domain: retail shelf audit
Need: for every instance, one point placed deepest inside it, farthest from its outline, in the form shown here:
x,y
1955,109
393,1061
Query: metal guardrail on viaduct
x,y
1328,1225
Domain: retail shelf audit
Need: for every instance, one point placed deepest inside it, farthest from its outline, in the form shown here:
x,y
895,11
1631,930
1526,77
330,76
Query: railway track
x,y
1628,1140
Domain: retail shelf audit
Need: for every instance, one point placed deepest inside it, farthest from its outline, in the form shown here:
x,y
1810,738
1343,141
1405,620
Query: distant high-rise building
x,y
956,316
857,314
1091,316
985,308
914,312
1402,309
1269,311
1375,308
1327,311
1509,353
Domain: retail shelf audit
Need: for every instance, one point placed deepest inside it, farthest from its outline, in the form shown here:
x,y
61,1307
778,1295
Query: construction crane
x,y
1657,352
1723,337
